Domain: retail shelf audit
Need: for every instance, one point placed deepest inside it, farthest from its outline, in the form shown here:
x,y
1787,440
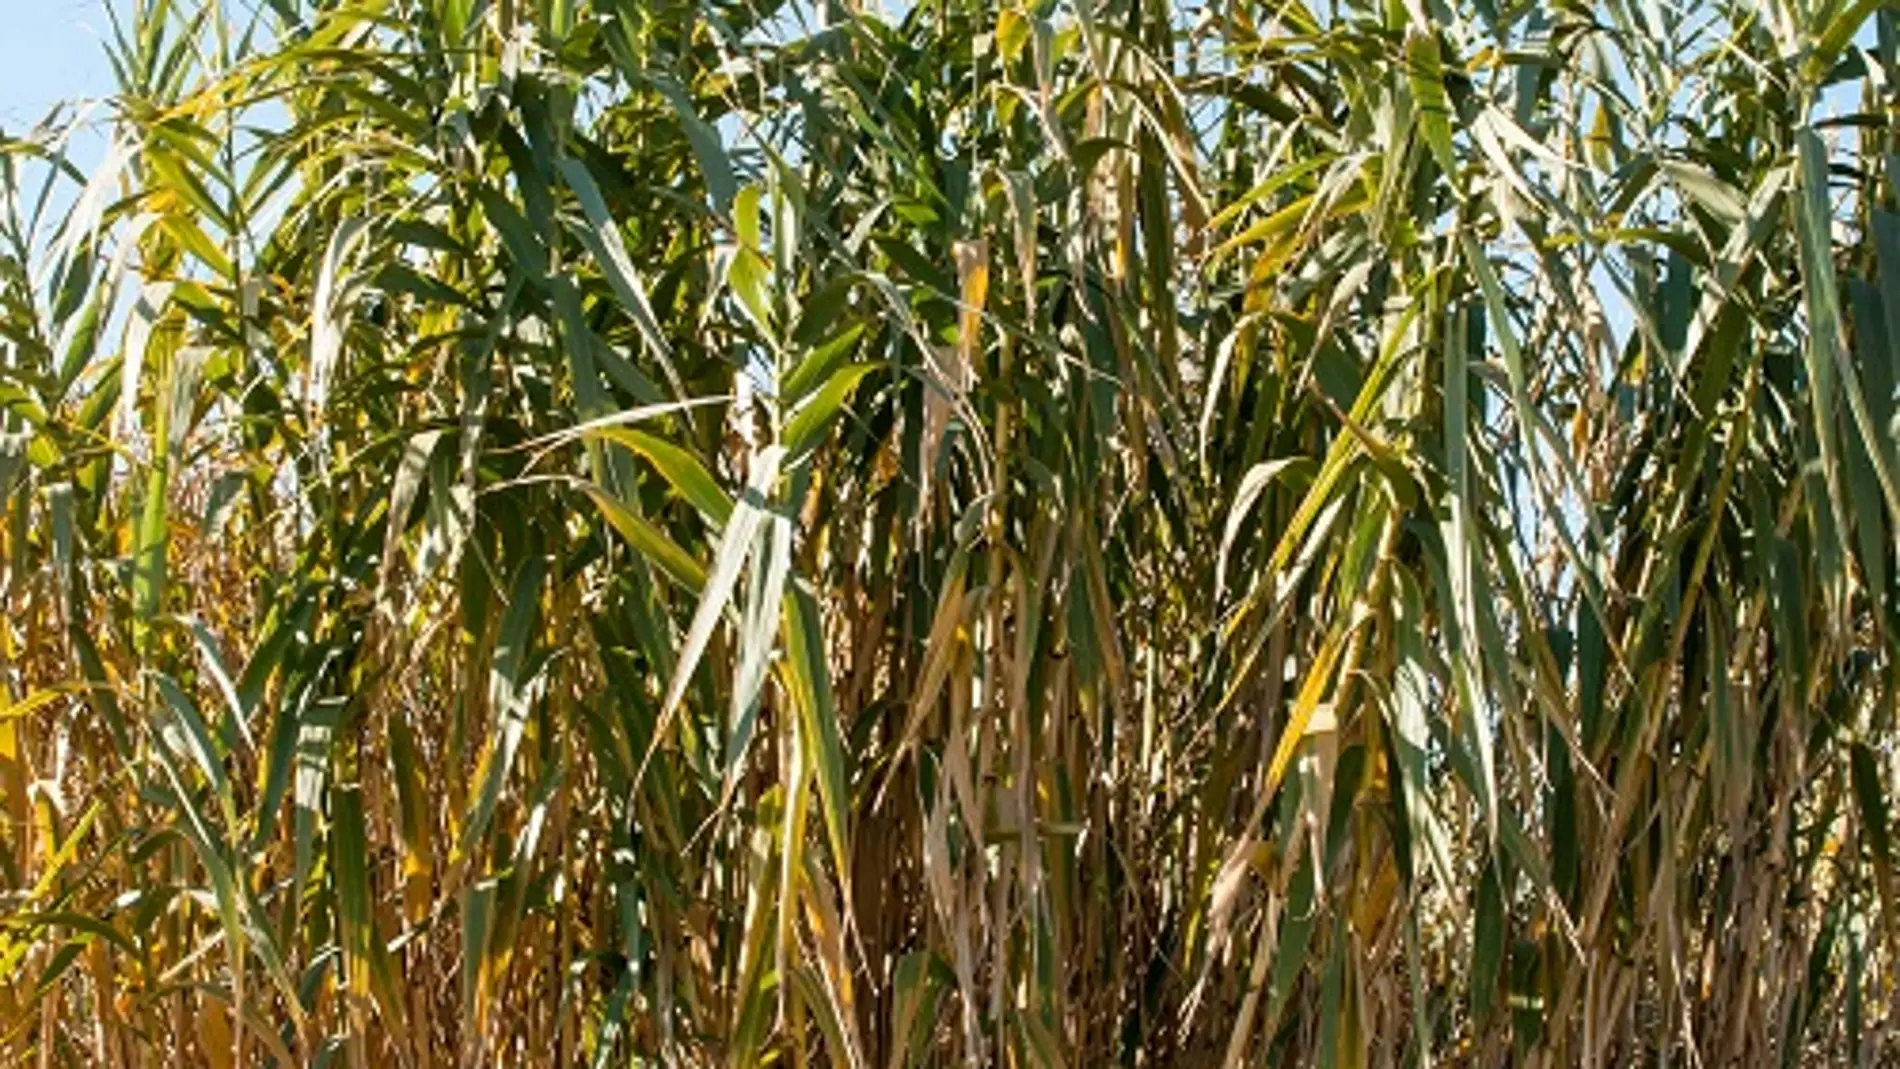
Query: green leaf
x,y
1702,186
1425,74
603,240
187,733
1487,945
349,854
812,420
1872,800
757,634
736,543
714,164
681,470
512,692
648,540
1252,485
809,671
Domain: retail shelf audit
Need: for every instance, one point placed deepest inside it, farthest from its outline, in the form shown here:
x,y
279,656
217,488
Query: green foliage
x,y
609,532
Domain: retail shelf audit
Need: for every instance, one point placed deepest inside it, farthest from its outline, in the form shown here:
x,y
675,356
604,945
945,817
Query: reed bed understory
x,y
977,532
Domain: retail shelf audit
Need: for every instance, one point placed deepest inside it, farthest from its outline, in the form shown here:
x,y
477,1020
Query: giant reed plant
x,y
1070,532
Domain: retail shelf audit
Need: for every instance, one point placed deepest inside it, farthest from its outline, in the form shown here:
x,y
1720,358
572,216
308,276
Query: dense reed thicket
x,y
1002,532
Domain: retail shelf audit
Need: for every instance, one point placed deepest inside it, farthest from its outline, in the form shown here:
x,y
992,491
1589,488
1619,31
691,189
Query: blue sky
x,y
50,50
